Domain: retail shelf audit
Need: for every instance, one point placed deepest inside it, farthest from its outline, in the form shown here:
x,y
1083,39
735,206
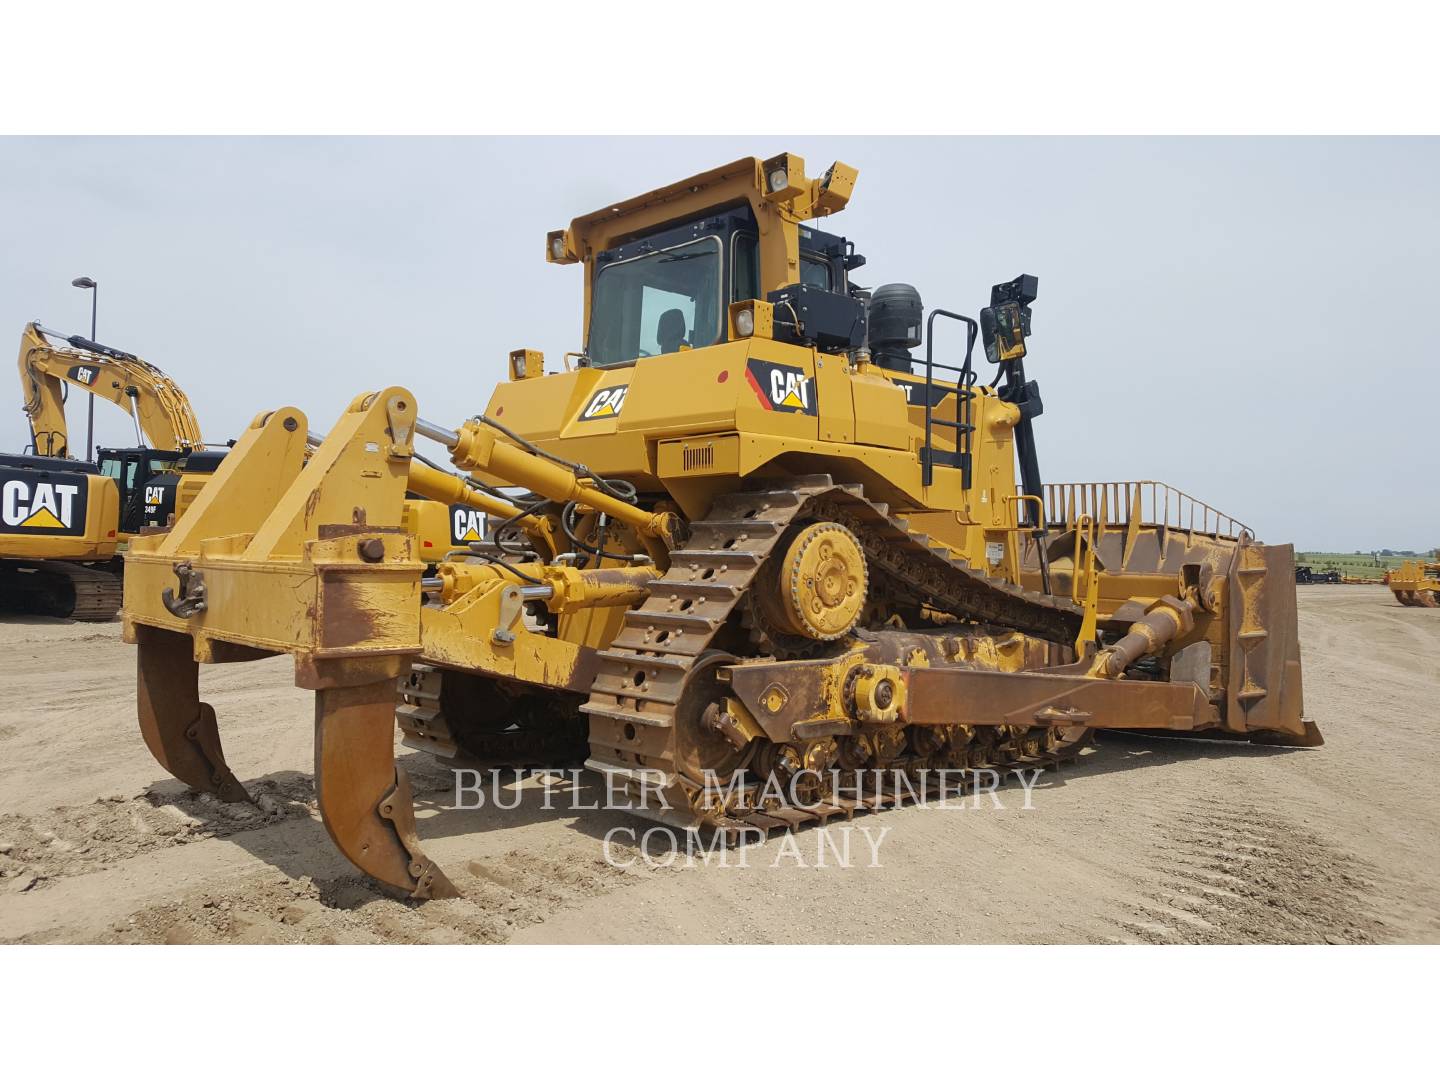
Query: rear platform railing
x,y
1117,503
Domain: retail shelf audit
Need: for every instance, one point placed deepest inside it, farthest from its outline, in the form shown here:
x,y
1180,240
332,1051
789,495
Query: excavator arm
x,y
160,408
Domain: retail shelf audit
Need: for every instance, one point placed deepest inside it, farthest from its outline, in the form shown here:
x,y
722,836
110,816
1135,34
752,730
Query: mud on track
x,y
1146,840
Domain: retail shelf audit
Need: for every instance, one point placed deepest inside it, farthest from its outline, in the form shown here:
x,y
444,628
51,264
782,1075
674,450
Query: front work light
x,y
751,318
526,364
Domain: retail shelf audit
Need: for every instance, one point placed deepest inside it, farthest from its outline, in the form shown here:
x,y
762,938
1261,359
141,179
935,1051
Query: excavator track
x,y
64,590
637,736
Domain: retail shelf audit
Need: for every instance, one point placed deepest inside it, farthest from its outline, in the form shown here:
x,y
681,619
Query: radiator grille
x,y
699,457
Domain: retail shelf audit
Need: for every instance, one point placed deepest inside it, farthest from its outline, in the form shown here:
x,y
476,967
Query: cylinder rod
x,y
445,436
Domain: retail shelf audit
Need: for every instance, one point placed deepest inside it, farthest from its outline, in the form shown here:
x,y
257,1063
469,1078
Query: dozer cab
x,y
751,555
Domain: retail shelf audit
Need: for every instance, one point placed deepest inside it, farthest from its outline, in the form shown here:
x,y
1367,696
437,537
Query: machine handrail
x,y
1112,503
963,394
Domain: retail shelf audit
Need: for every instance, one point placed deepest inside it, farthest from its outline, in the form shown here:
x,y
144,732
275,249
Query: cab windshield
x,y
655,303
126,469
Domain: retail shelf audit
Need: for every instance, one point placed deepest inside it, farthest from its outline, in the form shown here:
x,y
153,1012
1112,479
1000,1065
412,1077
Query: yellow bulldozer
x,y
750,556
1415,583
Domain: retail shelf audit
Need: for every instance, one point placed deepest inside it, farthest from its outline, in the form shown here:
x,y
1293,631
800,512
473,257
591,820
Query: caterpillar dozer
x,y
1415,583
62,521
750,556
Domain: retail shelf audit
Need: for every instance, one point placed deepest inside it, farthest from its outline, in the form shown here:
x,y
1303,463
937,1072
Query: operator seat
x,y
670,331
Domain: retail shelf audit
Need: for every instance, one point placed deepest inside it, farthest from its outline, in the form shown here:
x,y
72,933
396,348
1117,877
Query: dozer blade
x,y
364,796
178,727
1264,695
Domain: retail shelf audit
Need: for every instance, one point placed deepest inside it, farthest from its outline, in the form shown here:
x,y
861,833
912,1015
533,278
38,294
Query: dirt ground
x,y
1144,840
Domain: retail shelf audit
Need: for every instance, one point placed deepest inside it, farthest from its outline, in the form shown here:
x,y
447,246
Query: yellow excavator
x,y
62,521
752,558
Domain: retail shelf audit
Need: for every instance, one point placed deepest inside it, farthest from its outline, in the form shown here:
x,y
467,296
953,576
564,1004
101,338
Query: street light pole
x,y
94,287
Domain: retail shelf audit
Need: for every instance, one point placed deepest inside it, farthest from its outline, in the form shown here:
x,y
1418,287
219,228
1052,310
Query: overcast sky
x,y
1247,319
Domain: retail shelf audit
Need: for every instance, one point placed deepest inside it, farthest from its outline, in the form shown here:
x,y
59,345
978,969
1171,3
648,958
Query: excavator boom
x,y
161,410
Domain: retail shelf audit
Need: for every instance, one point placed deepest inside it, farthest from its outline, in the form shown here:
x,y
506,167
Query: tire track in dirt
x,y
1226,873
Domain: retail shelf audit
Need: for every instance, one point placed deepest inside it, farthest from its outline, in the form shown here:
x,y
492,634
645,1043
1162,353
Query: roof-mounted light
x,y
558,248
784,177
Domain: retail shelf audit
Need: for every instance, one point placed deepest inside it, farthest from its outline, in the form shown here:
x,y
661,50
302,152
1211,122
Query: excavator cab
x,y
147,480
153,483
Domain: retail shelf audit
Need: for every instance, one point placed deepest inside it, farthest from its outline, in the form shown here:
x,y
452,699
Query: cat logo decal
x,y
605,403
466,524
30,505
782,388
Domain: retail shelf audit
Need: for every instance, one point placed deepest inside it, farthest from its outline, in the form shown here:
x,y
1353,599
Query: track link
x,y
648,667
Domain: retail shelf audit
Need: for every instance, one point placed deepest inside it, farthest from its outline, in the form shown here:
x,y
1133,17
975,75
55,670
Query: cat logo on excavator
x,y
42,506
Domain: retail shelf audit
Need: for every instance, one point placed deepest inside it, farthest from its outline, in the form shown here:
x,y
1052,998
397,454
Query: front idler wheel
x,y
820,584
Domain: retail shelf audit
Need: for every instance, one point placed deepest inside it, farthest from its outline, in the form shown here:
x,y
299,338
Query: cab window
x,y
745,275
815,271
656,303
